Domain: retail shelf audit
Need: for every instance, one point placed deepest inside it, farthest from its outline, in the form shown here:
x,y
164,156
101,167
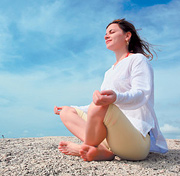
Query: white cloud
x,y
56,28
43,18
170,129
31,97
60,18
6,41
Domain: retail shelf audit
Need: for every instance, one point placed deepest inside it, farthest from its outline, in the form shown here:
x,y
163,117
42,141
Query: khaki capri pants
x,y
123,139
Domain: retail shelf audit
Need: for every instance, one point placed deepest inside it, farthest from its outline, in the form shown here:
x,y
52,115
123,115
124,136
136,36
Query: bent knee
x,y
95,111
66,111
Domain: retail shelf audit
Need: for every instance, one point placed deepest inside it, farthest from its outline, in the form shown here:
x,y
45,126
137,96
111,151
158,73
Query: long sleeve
x,y
140,85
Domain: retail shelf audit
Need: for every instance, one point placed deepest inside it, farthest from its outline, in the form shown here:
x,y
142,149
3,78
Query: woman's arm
x,y
141,81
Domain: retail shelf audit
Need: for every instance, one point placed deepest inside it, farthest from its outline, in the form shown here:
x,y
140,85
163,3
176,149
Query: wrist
x,y
116,98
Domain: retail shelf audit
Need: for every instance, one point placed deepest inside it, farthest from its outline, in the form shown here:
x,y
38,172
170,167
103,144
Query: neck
x,y
120,55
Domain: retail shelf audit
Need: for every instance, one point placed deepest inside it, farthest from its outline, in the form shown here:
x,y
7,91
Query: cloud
x,y
159,24
6,41
46,32
43,18
64,18
170,129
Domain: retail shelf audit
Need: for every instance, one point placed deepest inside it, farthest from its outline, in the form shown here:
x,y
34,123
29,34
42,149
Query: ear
x,y
128,36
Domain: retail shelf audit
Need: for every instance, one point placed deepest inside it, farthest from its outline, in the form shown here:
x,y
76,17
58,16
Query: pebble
x,y
40,156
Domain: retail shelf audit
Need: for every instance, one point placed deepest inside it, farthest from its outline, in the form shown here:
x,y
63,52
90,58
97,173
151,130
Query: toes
x,y
63,146
66,152
61,149
84,151
85,148
88,153
69,148
83,155
63,143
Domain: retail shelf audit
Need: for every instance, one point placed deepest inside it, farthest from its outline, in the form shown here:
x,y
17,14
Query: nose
x,y
106,36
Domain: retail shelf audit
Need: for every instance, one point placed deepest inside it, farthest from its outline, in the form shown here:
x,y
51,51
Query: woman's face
x,y
115,37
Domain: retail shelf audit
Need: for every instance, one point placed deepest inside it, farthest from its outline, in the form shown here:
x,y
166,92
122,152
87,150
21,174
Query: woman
x,y
121,120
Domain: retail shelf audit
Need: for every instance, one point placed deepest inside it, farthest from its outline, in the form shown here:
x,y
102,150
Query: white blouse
x,y
132,81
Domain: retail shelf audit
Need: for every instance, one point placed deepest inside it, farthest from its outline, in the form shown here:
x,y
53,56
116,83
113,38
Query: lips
x,y
107,41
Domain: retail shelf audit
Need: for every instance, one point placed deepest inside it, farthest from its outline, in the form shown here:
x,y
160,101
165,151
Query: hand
x,y
56,110
104,97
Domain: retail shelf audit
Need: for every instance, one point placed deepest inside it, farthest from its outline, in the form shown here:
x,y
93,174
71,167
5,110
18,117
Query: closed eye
x,y
111,31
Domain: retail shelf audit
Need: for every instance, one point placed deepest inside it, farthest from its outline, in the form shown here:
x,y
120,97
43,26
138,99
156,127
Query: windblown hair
x,y
136,44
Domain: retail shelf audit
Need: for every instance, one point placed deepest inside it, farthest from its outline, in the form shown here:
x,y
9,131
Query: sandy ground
x,y
40,156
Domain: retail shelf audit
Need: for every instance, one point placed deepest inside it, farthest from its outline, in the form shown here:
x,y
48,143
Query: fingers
x,y
98,99
59,108
97,95
106,92
104,97
56,110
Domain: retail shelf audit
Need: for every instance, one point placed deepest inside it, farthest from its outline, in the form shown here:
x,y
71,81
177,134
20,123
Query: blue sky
x,y
52,52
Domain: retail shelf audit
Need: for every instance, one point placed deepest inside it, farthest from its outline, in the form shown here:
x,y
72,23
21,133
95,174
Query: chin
x,y
111,48
114,47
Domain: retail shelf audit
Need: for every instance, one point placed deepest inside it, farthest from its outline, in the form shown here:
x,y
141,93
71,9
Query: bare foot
x,y
91,153
69,148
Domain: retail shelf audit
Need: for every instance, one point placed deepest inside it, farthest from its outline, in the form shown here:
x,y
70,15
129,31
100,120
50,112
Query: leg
x,y
95,129
76,125
95,133
75,121
123,138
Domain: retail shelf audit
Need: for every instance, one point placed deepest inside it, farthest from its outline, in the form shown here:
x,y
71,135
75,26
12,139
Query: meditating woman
x,y
121,119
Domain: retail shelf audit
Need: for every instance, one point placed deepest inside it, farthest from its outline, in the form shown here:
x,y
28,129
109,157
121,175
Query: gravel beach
x,y
40,156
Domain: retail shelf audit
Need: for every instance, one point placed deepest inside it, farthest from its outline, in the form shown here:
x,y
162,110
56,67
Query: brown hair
x,y
136,44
